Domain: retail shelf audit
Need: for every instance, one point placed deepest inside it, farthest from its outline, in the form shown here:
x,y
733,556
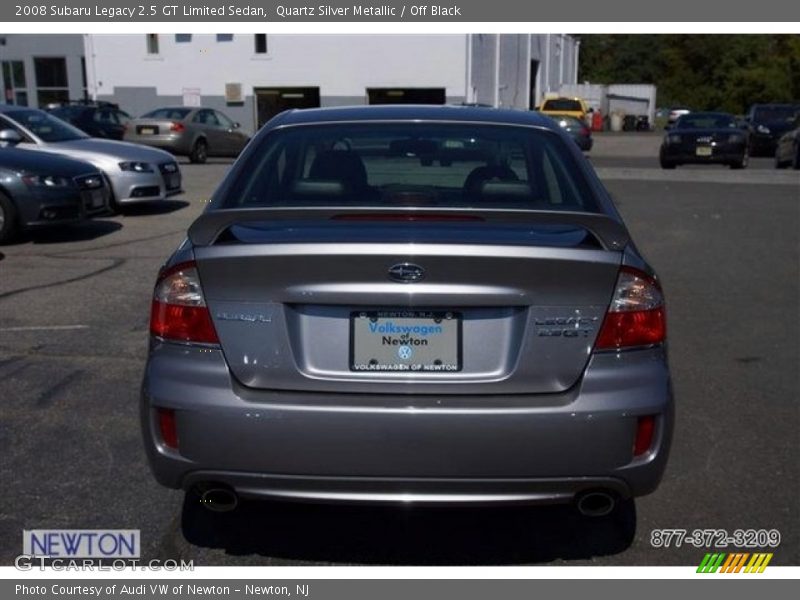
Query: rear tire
x,y
666,164
778,163
9,219
796,159
199,153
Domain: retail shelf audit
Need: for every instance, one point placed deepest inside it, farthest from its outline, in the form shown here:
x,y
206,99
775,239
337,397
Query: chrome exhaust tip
x,y
219,499
596,504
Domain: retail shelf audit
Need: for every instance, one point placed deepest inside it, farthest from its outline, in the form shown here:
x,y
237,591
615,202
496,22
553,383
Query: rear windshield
x,y
775,114
562,104
69,112
411,164
168,113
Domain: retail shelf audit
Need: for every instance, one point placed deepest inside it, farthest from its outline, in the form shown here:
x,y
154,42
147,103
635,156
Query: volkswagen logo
x,y
406,273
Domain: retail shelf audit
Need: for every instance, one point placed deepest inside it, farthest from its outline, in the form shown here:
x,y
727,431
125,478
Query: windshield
x,y
411,164
177,114
774,114
46,127
563,104
706,121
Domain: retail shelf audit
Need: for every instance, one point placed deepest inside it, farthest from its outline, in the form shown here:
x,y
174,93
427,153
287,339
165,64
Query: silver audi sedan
x,y
409,304
136,173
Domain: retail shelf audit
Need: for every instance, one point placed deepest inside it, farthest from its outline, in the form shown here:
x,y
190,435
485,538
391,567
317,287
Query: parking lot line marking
x,y
45,328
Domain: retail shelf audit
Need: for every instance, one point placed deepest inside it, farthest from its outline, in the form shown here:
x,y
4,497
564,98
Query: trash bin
x,y
629,123
616,121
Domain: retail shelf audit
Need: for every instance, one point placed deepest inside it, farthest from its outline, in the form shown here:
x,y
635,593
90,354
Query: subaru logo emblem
x,y
406,273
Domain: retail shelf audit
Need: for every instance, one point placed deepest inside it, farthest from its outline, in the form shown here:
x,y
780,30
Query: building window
x,y
14,88
183,38
224,37
52,86
152,43
261,43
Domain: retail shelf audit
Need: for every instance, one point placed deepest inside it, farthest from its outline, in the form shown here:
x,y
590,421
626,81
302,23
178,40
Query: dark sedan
x,y
788,150
767,123
576,129
97,120
39,189
705,138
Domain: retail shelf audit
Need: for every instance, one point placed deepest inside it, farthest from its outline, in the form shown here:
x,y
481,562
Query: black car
x,y
100,120
705,138
788,151
576,129
767,123
42,189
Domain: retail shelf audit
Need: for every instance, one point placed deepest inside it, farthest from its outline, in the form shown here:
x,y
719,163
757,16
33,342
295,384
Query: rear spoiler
x,y
208,226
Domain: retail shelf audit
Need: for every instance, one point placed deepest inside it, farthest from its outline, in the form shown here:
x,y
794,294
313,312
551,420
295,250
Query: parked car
x,y
572,107
194,132
100,119
705,138
787,151
576,129
767,123
344,324
38,190
135,173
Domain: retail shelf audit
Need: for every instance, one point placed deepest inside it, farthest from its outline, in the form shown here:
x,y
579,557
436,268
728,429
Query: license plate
x,y
405,341
147,130
703,151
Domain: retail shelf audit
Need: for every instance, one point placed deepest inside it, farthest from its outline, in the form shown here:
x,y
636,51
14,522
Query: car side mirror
x,y
10,137
236,125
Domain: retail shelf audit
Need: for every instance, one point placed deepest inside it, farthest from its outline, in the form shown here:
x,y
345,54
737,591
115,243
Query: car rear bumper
x,y
393,448
720,156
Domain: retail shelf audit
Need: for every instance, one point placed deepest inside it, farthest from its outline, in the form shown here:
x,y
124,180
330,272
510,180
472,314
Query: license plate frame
x,y
411,333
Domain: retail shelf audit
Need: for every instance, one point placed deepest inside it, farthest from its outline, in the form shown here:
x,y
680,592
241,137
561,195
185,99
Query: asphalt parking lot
x,y
74,308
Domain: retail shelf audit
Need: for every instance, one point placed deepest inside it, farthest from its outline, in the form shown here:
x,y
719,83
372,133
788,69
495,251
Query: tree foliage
x,y
703,72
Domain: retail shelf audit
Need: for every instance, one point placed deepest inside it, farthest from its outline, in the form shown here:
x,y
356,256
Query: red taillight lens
x,y
645,431
585,132
167,427
636,315
179,311
177,127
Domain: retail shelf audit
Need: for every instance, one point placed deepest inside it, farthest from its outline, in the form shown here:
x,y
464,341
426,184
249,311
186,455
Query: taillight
x,y
179,311
585,132
636,315
177,127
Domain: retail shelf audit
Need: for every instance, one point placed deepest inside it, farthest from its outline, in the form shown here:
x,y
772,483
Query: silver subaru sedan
x,y
409,304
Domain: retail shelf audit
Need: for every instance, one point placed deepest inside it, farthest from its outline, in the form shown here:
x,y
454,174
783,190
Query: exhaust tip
x,y
218,499
596,504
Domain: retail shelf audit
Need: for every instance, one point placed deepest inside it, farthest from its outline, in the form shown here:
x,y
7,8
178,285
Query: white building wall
x,y
342,66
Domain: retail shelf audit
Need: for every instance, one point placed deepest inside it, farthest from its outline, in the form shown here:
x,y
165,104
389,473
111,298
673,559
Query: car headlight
x,y
673,138
47,181
735,138
136,166
762,129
